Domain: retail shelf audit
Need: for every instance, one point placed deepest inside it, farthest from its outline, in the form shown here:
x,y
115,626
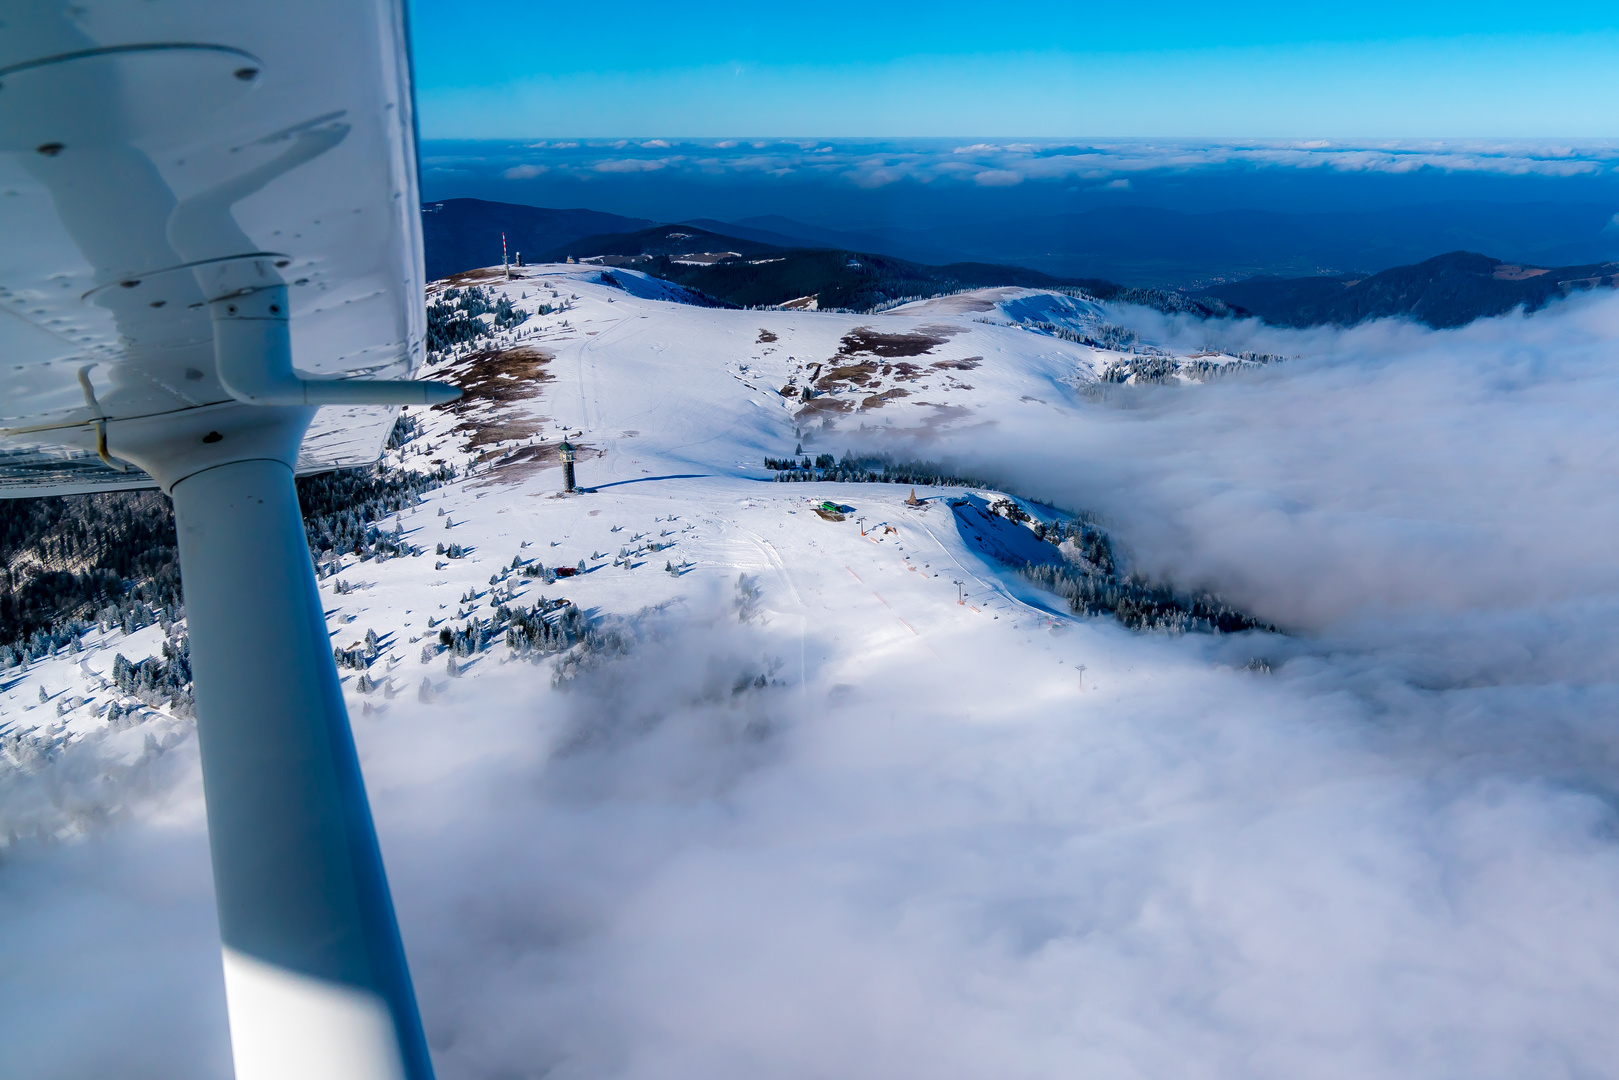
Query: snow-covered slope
x,y
674,408
777,787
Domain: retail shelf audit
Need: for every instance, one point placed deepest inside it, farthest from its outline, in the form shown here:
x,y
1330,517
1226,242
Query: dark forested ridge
x,y
1445,291
666,241
464,234
750,273
848,280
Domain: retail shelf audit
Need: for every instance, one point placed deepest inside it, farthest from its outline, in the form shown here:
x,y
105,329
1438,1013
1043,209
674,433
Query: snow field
x,y
828,820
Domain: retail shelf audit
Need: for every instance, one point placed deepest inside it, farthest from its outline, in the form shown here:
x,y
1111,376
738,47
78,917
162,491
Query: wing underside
x,y
155,157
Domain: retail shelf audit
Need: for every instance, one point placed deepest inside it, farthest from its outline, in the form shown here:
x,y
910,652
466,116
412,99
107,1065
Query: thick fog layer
x,y
1026,853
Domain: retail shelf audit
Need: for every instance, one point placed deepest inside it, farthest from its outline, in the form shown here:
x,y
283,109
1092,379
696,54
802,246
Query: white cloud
x,y
630,165
525,172
997,178
929,161
1395,855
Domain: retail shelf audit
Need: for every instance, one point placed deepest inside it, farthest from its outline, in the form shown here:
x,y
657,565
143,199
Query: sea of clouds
x,y
1393,854
1001,163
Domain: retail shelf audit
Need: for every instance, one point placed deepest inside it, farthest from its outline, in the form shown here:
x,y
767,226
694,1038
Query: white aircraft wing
x,y
154,155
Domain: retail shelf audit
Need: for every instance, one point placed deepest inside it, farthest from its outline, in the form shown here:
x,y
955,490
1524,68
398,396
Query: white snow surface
x,y
881,808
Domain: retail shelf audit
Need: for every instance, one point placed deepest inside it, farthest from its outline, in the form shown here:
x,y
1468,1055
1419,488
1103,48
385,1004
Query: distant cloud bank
x,y
1106,163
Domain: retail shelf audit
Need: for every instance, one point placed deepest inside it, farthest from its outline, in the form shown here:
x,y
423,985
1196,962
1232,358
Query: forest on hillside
x,y
110,559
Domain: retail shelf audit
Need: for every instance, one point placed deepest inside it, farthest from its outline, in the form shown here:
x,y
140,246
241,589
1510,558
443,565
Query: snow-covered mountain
x,y
746,759
682,417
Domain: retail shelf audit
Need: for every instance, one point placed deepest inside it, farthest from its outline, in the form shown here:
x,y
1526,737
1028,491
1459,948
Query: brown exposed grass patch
x,y
906,372
858,374
821,406
966,364
489,382
523,462
473,277
863,339
1514,272
877,401
765,337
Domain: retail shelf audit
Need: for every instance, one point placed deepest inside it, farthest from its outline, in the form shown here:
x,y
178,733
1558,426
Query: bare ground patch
x,y
822,406
964,364
863,339
492,382
513,466
877,401
856,374
472,277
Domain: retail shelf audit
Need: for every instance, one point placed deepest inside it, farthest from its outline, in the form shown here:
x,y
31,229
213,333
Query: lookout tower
x,y
567,452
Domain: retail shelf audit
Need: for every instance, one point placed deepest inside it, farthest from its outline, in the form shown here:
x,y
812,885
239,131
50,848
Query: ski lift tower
x,y
212,258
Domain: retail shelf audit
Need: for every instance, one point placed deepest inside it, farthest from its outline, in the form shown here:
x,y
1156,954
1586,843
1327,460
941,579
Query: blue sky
x,y
1033,69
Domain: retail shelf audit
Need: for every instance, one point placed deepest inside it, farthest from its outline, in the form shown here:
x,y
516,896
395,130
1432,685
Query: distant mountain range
x,y
1445,291
684,241
743,266
755,273
1130,244
773,261
1146,245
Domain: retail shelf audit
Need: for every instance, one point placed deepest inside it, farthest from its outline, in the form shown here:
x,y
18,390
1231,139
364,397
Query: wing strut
x,y
315,972
177,178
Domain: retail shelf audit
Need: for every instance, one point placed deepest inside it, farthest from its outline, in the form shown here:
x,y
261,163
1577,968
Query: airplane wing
x,y
210,264
154,153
